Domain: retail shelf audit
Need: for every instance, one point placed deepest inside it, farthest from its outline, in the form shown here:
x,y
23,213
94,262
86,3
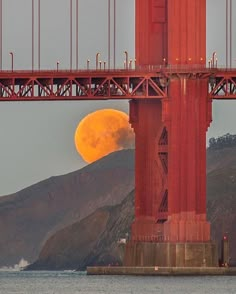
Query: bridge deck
x,y
148,82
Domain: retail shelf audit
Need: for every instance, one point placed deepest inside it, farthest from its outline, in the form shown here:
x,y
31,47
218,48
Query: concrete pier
x,y
171,255
161,271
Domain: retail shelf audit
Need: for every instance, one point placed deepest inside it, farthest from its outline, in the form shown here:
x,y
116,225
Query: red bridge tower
x,y
170,226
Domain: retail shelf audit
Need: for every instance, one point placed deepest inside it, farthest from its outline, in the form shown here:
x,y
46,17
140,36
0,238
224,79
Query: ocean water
x,y
79,282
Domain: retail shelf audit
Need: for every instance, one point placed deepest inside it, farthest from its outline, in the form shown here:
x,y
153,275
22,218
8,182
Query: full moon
x,y
102,132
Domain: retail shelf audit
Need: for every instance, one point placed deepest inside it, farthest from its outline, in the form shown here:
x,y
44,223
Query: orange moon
x,y
102,132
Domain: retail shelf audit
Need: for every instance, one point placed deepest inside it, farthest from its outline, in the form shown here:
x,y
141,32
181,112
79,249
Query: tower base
x,y
171,254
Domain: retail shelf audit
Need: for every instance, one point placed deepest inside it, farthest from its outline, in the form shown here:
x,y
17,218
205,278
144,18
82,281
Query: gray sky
x,y
37,138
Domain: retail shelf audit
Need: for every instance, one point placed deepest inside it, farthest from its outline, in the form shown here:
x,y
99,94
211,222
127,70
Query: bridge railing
x,y
169,68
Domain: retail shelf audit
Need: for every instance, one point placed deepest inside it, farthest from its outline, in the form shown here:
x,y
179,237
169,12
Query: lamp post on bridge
x,y
58,65
126,59
12,60
130,63
97,56
88,60
214,59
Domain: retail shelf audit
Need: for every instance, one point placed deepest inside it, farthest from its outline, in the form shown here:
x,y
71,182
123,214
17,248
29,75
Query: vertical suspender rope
x,y
114,35
32,34
70,34
0,34
39,35
109,34
226,33
77,34
230,33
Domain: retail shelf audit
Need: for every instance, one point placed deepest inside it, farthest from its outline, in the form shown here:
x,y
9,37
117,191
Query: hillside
x,y
77,246
92,241
76,219
221,195
29,217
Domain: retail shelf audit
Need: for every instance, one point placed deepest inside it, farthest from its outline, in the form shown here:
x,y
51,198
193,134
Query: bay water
x,y
45,282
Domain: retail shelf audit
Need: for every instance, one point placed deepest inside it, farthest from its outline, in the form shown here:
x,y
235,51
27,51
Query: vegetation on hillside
x,y
226,140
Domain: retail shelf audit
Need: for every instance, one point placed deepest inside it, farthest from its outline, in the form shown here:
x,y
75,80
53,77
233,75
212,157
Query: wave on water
x,y
17,267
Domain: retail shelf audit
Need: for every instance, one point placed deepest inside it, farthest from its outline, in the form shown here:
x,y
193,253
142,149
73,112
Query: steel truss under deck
x,y
223,85
150,82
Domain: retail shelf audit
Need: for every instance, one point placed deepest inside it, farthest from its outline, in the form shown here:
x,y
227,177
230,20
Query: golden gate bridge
x,y
170,85
104,81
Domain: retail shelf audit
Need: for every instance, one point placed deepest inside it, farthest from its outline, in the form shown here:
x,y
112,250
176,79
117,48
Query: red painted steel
x,y
150,169
32,36
81,85
77,34
39,34
143,82
171,92
1,22
151,32
170,200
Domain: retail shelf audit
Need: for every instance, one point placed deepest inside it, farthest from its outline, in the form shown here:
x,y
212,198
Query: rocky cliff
x,y
28,218
92,241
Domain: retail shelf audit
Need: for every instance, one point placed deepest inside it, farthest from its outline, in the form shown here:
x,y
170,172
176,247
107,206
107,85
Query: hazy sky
x,y
37,138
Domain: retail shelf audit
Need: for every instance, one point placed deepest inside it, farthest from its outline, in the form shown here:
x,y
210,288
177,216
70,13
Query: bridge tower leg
x,y
170,226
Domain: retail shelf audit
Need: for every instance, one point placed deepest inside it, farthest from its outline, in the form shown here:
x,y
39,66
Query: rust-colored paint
x,y
151,31
171,204
170,32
